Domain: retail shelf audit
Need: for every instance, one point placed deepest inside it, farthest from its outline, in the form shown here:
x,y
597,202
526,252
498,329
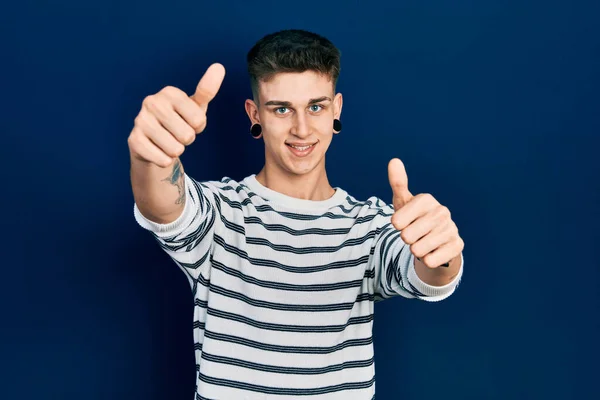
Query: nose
x,y
301,126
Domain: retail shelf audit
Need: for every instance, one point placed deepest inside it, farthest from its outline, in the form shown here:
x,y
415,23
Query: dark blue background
x,y
492,105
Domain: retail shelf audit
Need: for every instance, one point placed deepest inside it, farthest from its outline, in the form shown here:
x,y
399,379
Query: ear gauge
x,y
337,125
256,131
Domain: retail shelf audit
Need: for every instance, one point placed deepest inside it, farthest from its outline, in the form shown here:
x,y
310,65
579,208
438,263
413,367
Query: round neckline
x,y
293,202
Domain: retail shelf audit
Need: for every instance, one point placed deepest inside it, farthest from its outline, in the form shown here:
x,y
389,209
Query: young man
x,y
284,268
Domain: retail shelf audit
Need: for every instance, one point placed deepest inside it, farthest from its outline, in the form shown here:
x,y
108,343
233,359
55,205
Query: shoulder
x,y
224,188
372,205
373,209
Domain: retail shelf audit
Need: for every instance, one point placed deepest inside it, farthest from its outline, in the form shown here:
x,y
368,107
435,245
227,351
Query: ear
x,y
337,105
252,111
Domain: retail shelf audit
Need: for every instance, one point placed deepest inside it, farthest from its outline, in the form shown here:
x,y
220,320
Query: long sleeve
x,y
189,238
395,274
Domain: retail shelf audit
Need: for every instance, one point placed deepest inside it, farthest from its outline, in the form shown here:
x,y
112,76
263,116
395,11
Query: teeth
x,y
300,148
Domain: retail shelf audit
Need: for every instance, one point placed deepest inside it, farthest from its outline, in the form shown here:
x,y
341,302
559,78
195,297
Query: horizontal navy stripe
x,y
288,328
222,337
286,391
286,370
311,249
296,232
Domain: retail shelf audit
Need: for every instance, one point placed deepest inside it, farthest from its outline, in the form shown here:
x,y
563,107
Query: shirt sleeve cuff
x,y
172,228
433,293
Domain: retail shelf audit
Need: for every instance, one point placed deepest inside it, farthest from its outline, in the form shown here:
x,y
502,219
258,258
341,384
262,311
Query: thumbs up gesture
x,y
170,119
425,224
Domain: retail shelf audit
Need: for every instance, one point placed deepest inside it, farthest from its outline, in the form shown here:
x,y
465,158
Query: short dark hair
x,y
292,50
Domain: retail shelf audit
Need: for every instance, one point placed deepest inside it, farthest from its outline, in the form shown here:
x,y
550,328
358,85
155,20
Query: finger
x,y
442,255
173,122
184,118
407,215
431,241
445,265
150,152
417,207
209,85
420,227
162,138
193,115
399,183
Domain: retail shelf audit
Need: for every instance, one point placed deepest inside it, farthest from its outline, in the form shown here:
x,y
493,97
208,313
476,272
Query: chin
x,y
301,168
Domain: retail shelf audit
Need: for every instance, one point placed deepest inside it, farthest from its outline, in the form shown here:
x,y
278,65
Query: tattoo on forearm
x,y
177,179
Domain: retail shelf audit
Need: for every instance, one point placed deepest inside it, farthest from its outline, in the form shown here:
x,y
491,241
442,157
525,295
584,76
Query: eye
x,y
318,107
279,110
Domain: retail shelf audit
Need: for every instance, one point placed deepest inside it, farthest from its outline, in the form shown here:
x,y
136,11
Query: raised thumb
x,y
209,85
399,183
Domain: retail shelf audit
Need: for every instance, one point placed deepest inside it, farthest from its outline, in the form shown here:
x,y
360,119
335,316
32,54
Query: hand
x,y
426,225
169,120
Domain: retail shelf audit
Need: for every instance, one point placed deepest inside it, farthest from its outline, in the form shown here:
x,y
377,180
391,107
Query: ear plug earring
x,y
337,125
256,131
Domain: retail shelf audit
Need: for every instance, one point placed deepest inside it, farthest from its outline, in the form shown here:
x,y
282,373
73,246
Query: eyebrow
x,y
288,104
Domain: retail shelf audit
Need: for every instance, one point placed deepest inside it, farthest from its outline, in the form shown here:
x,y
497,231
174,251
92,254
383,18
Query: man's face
x,y
297,109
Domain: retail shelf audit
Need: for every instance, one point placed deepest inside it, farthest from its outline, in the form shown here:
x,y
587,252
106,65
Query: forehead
x,y
295,87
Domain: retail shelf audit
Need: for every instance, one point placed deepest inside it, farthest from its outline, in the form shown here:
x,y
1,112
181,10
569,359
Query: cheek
x,y
274,136
276,127
321,124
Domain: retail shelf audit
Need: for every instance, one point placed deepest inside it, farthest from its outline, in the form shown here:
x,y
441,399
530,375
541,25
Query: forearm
x,y
438,276
159,193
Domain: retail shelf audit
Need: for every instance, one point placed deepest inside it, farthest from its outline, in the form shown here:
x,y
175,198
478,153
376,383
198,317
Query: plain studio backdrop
x,y
492,105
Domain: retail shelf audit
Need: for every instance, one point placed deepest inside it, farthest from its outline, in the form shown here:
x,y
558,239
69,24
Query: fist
x,y
170,120
425,224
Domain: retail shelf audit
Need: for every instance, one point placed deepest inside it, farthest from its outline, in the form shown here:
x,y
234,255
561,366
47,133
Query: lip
x,y
300,144
303,153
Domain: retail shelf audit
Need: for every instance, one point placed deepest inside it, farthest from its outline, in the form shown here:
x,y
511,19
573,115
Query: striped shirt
x,y
284,288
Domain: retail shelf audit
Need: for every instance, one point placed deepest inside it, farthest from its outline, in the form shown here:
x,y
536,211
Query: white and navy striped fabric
x,y
284,288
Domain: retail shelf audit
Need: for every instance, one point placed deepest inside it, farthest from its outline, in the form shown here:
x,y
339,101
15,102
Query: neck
x,y
310,186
